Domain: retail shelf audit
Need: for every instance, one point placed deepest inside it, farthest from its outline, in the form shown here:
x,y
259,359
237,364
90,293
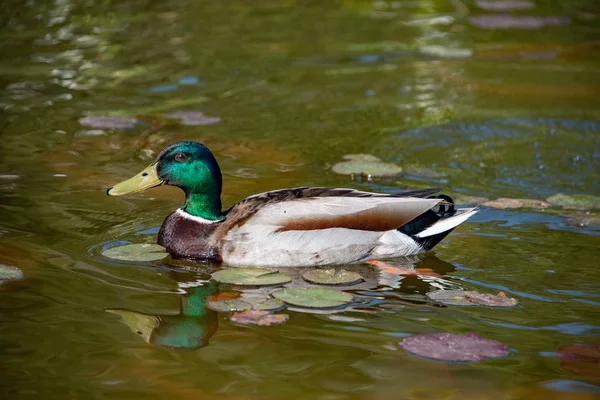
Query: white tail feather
x,y
446,224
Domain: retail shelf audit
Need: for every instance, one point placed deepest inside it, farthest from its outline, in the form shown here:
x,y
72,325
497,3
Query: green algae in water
x,y
250,277
575,201
136,252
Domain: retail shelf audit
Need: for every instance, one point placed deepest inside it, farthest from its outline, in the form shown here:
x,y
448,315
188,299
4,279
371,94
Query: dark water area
x,y
495,99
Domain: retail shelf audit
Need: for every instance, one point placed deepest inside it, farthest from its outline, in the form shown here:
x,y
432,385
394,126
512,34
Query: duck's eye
x,y
180,157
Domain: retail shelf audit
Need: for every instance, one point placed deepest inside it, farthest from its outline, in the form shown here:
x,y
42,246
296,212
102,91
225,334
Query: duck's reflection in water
x,y
190,329
196,323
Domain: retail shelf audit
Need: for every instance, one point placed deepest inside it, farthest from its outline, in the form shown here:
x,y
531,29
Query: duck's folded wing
x,y
305,209
368,214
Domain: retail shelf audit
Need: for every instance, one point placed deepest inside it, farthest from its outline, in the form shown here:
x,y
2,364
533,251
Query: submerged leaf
x,y
258,317
265,304
445,52
505,21
108,122
10,273
332,277
193,118
469,347
365,164
250,277
471,298
404,271
471,200
503,203
534,203
424,172
505,5
581,359
313,297
575,201
136,252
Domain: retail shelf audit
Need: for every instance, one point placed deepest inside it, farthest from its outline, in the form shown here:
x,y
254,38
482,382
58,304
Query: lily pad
x,y
575,201
469,347
258,317
471,298
193,118
10,273
108,122
250,277
313,297
136,252
365,164
264,304
332,277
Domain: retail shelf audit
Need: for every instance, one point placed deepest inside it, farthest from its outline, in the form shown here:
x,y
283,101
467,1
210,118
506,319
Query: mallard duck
x,y
304,226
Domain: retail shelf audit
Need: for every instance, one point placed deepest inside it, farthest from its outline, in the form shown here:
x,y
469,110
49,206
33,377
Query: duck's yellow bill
x,y
144,180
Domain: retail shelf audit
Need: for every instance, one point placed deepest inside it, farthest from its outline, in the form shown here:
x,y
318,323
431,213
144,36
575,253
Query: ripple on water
x,y
520,155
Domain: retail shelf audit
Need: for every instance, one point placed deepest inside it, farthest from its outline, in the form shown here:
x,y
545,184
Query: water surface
x,y
500,103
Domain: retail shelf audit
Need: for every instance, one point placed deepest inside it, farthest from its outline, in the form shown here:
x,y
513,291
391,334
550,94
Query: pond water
x,y
481,98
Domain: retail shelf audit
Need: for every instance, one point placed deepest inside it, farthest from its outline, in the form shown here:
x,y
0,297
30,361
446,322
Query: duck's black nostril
x,y
145,174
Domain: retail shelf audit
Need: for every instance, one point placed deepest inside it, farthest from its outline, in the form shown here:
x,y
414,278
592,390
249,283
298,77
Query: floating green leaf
x,y
332,277
313,297
258,317
136,252
365,164
10,273
471,298
250,277
265,304
575,201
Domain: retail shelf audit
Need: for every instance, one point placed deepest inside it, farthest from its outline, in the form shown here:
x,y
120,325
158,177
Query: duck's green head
x,y
188,165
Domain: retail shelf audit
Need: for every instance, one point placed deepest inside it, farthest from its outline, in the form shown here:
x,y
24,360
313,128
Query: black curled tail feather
x,y
444,210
